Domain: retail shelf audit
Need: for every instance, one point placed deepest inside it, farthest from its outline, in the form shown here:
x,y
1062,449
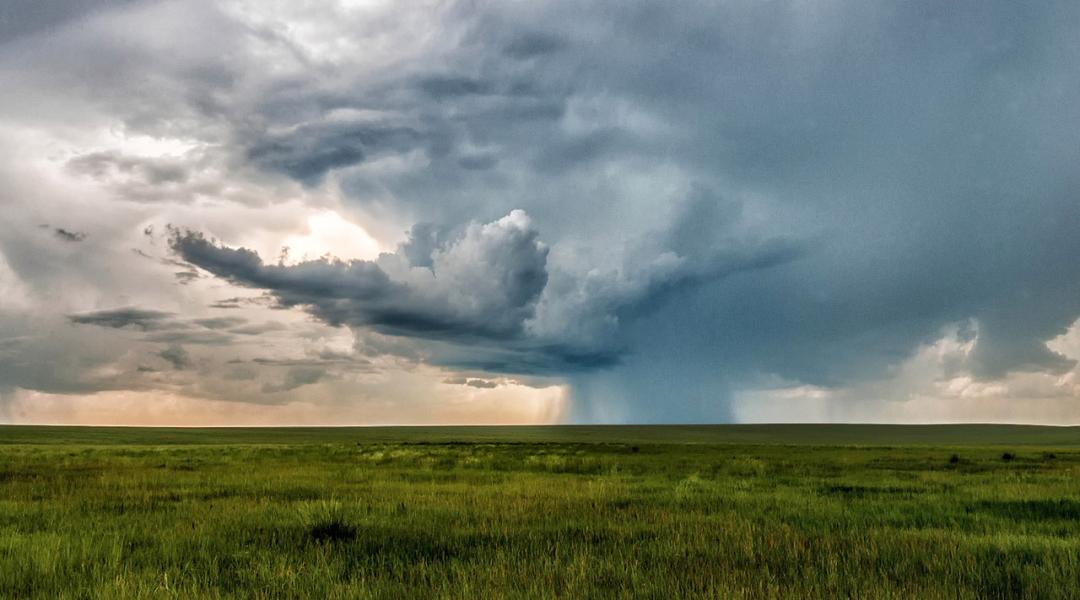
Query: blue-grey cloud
x,y
258,328
177,356
531,44
27,17
727,192
205,338
220,322
119,318
294,378
310,151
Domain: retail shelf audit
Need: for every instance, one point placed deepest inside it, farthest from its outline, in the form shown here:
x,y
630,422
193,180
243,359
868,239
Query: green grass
x,y
573,512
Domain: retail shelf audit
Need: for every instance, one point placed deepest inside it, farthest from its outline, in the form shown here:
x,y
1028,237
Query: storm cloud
x,y
176,356
118,318
674,211
484,284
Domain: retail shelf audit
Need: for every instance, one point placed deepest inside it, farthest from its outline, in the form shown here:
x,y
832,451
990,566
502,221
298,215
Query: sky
x,y
283,212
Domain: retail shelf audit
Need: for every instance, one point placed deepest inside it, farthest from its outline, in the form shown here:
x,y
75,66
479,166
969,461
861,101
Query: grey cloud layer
x,y
726,192
488,290
124,317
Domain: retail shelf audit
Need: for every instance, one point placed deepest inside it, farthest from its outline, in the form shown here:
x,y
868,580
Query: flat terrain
x,y
789,511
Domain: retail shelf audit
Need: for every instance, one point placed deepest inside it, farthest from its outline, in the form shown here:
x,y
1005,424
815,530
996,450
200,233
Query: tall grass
x,y
573,520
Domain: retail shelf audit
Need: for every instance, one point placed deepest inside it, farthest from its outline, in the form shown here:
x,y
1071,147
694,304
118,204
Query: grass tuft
x,y
333,531
327,522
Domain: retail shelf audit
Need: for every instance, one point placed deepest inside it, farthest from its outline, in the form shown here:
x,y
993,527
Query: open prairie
x,y
477,512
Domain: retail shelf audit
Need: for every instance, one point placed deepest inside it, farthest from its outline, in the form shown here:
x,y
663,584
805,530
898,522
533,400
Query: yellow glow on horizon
x,y
505,405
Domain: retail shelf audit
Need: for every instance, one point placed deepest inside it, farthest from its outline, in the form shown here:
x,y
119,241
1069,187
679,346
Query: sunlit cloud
x,y
328,234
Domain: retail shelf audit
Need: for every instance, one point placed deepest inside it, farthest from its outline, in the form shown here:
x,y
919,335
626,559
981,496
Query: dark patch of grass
x,y
1007,456
861,491
6,476
392,544
1032,510
333,530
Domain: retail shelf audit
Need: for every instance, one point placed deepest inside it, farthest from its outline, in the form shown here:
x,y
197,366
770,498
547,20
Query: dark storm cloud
x,y
227,303
310,151
531,44
186,277
26,17
176,356
119,318
69,236
204,338
478,162
307,283
449,87
477,291
480,289
929,209
920,161
220,322
162,326
240,302
323,361
538,359
490,280
728,191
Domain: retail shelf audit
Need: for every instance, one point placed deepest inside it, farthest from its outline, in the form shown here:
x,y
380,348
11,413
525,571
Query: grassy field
x,y
794,511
